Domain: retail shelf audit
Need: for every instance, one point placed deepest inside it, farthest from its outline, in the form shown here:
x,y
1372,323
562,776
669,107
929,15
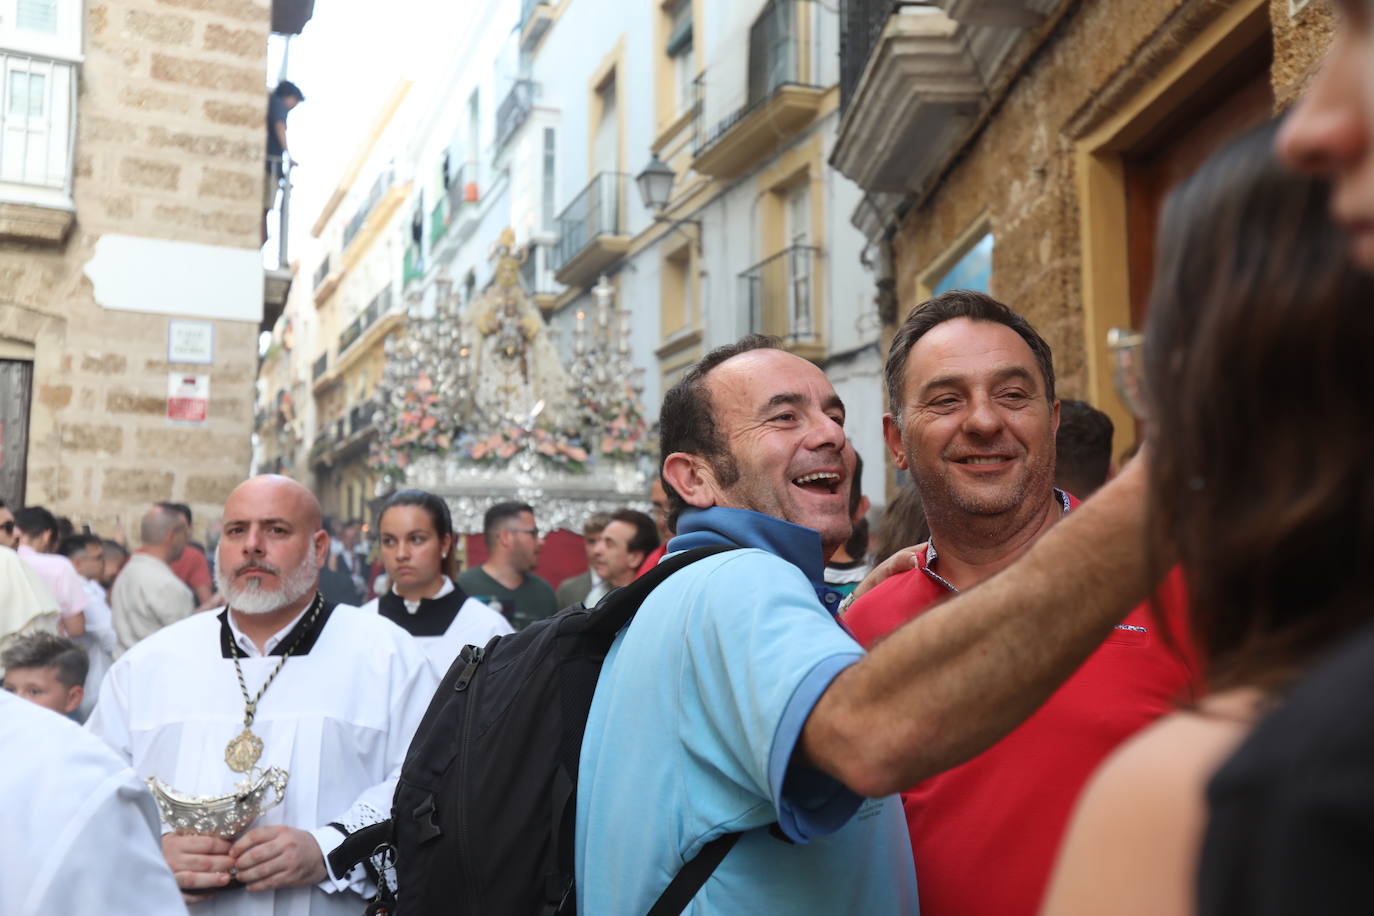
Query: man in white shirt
x,y
87,554
277,679
80,829
147,595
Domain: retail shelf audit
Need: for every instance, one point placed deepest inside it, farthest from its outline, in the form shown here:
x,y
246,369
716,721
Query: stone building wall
x,y
1020,169
169,146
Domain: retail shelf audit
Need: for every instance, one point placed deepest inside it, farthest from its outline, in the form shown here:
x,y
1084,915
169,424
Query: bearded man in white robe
x,y
337,716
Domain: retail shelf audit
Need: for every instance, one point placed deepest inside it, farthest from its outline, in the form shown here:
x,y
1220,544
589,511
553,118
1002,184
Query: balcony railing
x,y
360,418
321,272
514,111
374,196
412,268
593,213
778,295
379,306
37,121
527,8
861,25
320,367
536,273
779,56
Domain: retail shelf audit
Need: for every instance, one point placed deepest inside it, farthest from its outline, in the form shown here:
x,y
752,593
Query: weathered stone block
x,y
106,130
55,396
213,490
204,146
206,74
104,363
149,173
48,485
97,20
213,220
83,165
186,445
163,28
232,185
84,437
154,100
245,10
137,486
238,115
241,42
117,206
133,402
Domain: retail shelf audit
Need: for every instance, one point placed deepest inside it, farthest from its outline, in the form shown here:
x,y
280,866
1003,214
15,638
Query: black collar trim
x,y
433,618
308,638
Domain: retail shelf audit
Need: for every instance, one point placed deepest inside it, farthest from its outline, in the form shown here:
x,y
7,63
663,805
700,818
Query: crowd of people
x,y
1147,700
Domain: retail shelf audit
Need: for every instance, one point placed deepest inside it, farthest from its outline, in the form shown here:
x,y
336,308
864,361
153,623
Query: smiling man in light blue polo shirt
x,y
698,715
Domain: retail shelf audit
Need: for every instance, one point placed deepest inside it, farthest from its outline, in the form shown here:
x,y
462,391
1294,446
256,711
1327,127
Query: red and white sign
x,y
188,397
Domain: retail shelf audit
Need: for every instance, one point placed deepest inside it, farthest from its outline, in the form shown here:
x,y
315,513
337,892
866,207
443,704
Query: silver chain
x,y
250,707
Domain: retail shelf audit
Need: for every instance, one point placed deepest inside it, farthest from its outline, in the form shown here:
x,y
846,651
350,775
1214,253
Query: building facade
x,y
1025,147
131,179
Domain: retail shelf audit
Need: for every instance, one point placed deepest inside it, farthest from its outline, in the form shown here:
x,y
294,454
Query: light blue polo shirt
x,y
691,734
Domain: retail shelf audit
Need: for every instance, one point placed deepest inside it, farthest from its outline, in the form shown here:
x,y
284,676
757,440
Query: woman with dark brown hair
x,y
1255,385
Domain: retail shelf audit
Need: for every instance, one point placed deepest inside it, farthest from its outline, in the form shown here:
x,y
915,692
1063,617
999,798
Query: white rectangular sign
x,y
191,342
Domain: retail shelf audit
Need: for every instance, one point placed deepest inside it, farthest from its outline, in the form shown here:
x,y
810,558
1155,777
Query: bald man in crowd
x,y
280,678
148,596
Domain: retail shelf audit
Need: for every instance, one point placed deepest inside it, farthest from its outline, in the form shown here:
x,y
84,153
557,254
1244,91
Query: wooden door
x,y
16,382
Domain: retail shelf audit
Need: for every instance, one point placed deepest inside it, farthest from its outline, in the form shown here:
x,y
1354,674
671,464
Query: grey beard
x,y
252,599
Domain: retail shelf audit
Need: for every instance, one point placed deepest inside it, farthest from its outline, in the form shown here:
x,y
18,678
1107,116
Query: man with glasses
x,y
973,419
506,580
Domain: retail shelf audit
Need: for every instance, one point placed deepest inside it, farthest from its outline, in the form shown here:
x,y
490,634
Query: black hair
x,y
857,545
74,544
439,517
687,421
286,87
48,650
645,539
35,521
499,513
957,303
1083,448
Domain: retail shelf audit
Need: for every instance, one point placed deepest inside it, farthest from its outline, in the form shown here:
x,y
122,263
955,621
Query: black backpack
x,y
482,822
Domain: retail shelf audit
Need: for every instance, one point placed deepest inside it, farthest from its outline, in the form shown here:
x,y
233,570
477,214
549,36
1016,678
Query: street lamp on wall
x,y
655,187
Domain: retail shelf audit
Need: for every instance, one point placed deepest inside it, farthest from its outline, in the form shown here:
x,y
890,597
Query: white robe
x,y
338,719
475,624
79,830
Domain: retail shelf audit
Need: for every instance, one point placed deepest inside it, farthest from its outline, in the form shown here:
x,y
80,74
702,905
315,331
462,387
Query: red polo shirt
x,y
985,834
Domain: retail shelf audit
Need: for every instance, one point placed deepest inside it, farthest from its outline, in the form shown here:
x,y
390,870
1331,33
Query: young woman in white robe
x,y
415,532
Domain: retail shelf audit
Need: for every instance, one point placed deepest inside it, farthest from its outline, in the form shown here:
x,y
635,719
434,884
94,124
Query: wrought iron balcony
x,y
321,272
460,202
320,367
374,196
514,111
591,231
784,81
379,306
778,295
535,18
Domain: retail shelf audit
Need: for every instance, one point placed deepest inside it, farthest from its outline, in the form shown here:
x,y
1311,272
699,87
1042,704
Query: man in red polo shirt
x,y
973,418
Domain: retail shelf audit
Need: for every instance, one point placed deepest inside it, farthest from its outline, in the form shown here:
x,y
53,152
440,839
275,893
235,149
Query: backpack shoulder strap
x,y
693,875
619,607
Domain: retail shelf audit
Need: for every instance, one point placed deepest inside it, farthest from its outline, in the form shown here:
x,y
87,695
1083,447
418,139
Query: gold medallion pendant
x,y
243,752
